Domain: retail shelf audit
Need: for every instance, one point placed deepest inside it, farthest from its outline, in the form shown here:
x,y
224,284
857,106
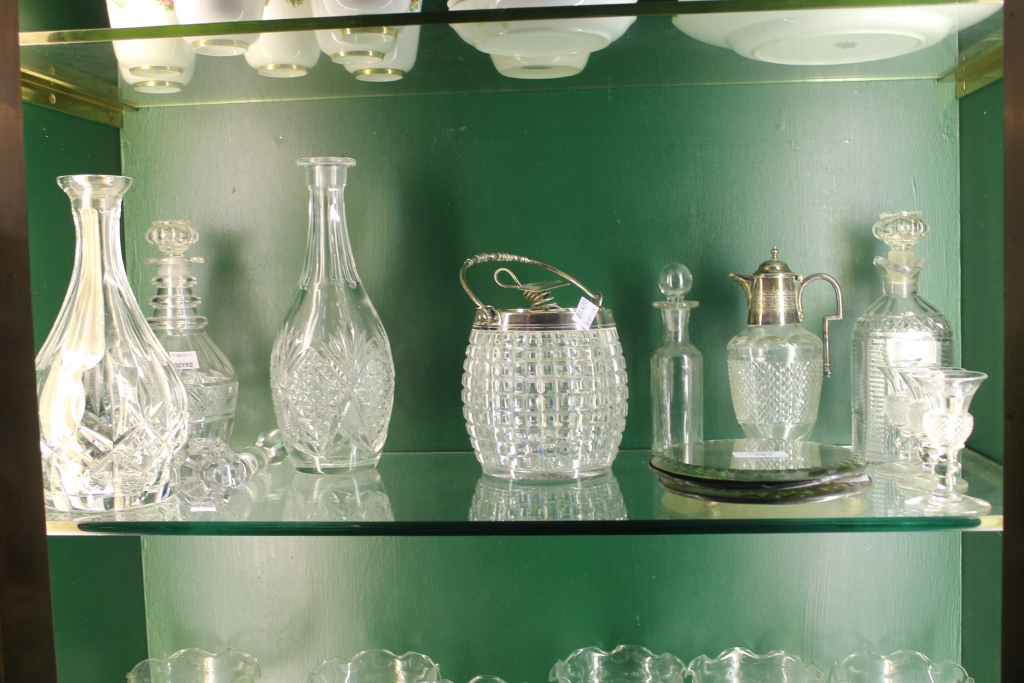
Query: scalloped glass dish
x,y
630,663
899,667
198,666
378,666
746,463
739,665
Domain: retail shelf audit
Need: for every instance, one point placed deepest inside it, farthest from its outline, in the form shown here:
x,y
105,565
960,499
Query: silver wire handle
x,y
826,365
513,258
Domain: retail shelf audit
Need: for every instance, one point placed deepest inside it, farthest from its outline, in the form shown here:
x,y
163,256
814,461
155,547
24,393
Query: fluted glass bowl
x,y
378,666
624,664
743,666
197,666
899,667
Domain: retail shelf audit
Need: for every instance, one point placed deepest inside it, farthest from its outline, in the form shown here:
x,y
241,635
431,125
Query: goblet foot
x,y
898,470
960,506
926,482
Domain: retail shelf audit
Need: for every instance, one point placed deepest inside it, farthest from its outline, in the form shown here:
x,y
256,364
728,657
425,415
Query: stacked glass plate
x,y
769,471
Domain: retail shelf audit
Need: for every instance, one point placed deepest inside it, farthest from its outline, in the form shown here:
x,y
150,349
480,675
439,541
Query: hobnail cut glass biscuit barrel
x,y
544,395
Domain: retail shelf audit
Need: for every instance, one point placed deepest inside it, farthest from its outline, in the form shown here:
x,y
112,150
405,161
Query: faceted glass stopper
x,y
900,229
675,281
173,238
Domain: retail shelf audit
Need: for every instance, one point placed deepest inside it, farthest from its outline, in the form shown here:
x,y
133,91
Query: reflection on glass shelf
x,y
921,42
441,494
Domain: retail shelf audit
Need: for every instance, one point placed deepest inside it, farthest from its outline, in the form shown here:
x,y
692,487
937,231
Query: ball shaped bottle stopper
x,y
173,238
675,281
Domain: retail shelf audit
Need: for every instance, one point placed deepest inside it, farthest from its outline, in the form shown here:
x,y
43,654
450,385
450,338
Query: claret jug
x,y
775,365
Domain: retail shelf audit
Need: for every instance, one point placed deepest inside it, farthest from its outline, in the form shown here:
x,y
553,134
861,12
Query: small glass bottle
x,y
205,371
898,329
677,368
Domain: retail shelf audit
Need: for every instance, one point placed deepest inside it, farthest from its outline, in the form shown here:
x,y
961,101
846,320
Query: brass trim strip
x,y
72,93
653,8
977,66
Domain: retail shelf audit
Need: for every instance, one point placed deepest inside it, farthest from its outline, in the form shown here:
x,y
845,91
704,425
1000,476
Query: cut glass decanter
x,y
331,372
899,328
205,371
112,410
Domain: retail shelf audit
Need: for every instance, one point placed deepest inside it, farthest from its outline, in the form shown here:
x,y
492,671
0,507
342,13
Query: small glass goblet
x,y
927,453
947,424
897,400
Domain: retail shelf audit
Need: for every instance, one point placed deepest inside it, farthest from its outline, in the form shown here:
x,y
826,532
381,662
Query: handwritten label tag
x,y
760,454
585,313
185,360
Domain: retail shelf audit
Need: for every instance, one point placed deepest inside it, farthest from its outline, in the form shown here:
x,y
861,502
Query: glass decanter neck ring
x,y
326,171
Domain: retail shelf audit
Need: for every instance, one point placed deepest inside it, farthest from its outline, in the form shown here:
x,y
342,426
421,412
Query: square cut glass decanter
x,y
331,372
899,329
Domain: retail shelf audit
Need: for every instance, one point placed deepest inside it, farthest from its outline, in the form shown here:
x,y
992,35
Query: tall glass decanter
x,y
112,410
331,372
899,328
206,372
677,368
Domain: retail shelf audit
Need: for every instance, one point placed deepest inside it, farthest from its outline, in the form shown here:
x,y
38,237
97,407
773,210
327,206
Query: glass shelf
x,y
445,494
652,52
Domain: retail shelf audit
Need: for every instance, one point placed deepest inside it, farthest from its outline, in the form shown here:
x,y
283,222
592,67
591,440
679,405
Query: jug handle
x,y
825,365
513,258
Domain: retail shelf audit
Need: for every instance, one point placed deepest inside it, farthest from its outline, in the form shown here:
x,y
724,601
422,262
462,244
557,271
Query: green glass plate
x,y
746,463
821,493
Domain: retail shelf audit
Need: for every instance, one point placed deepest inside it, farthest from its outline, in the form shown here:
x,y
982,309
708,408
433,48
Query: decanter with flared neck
x,y
112,410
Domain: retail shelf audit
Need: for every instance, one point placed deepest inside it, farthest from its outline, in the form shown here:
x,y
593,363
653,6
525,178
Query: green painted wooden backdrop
x,y
608,185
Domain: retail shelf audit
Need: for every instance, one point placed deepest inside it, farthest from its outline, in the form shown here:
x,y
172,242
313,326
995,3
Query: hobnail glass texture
x,y
775,378
743,666
331,371
545,404
502,500
898,400
378,666
899,667
197,666
947,424
624,664
112,411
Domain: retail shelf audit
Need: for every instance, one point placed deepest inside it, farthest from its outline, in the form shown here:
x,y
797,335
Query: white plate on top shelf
x,y
541,38
846,35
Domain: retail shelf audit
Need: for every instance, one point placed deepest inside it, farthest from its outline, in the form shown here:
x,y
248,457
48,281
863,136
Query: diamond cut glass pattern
x,y
545,404
331,372
112,410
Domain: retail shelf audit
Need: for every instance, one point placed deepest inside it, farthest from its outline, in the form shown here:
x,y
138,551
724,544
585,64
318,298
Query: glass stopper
x,y
675,281
900,229
173,238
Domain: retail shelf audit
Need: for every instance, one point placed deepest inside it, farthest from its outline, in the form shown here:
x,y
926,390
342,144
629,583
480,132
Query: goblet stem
x,y
947,469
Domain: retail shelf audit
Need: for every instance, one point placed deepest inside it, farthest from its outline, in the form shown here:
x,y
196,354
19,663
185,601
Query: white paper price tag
x,y
185,360
585,313
760,454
